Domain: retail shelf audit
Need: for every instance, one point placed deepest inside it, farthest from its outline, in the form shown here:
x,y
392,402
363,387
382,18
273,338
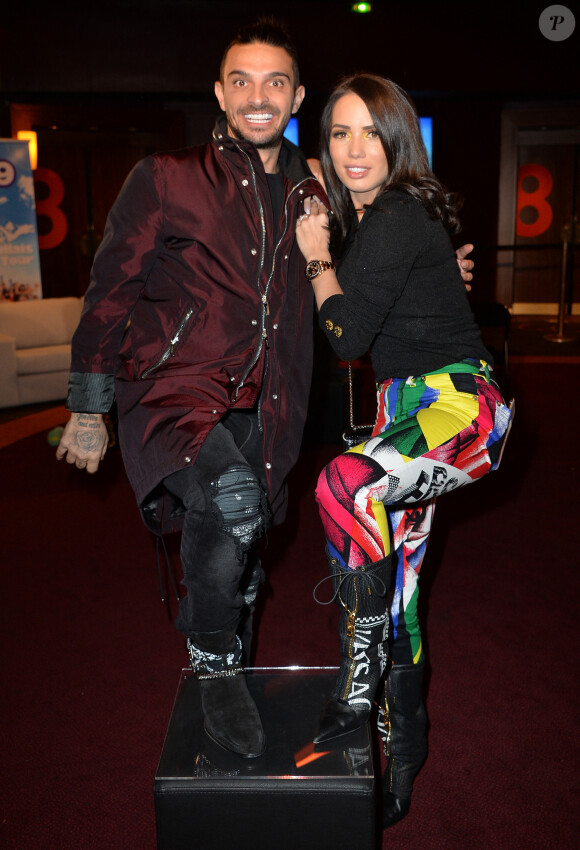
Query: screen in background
x,y
426,127
425,124
291,131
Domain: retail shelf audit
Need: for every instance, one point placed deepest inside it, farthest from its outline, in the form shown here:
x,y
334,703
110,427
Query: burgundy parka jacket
x,y
198,304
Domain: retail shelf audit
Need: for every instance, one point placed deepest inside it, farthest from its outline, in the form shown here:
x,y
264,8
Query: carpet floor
x,y
91,660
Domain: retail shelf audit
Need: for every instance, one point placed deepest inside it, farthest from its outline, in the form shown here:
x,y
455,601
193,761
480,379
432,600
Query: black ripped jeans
x,y
216,555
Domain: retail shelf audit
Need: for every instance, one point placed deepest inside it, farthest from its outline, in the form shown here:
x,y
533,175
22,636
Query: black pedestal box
x,y
294,797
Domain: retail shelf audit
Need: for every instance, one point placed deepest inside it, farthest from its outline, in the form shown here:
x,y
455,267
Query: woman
x,y
441,421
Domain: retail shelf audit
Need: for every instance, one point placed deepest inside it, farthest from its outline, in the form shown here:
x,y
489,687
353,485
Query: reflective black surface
x,y
290,702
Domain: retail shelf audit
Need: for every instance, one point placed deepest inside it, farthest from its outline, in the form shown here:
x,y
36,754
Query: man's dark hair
x,y
266,30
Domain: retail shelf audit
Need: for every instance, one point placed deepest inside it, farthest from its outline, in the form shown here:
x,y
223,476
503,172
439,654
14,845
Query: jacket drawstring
x,y
165,577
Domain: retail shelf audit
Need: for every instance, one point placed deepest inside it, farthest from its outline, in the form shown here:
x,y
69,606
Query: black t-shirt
x,y
276,186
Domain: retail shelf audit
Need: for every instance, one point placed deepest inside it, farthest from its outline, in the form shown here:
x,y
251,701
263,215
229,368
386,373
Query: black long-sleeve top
x,y
404,298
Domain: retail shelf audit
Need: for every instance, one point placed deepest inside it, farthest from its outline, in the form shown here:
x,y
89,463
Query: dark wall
x,y
461,62
175,45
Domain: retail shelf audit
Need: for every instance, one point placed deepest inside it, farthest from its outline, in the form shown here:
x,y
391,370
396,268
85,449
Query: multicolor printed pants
x,y
433,433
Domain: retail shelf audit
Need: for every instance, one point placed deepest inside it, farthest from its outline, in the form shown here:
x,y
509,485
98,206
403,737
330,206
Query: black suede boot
x,y
402,725
363,629
231,718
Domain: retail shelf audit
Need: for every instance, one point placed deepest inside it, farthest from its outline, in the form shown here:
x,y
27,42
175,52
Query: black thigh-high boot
x,y
403,725
363,630
230,714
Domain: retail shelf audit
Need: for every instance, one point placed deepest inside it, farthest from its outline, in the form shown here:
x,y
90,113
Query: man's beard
x,y
269,142
274,142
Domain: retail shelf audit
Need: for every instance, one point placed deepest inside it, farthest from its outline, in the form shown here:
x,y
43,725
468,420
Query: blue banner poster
x,y
19,256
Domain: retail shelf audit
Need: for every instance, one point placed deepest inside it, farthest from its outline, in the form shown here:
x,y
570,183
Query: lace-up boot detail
x,y
230,714
363,630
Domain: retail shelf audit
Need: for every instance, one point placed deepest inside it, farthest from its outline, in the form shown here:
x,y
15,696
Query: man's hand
x,y
84,441
465,266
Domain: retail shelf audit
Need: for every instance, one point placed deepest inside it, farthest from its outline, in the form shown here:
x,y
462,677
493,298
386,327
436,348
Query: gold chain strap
x,y
351,402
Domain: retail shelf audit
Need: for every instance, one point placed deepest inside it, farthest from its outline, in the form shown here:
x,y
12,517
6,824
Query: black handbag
x,y
354,434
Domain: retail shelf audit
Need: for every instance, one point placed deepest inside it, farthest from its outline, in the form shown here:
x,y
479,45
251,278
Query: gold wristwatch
x,y
316,267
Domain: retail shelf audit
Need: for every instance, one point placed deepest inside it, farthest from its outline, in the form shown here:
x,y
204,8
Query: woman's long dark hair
x,y
397,124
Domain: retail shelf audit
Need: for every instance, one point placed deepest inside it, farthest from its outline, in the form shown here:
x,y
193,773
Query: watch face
x,y
312,269
316,267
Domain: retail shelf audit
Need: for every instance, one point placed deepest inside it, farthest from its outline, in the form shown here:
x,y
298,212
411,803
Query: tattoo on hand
x,y
88,442
88,420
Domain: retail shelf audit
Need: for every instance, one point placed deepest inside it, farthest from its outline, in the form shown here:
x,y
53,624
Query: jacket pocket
x,y
171,347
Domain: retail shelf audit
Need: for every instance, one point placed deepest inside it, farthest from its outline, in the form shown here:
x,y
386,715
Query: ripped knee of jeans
x,y
240,502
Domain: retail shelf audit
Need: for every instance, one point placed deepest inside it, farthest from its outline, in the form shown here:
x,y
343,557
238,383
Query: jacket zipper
x,y
351,633
268,285
170,350
292,190
264,295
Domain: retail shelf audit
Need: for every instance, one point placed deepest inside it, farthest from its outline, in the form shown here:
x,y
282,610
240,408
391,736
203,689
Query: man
x,y
198,320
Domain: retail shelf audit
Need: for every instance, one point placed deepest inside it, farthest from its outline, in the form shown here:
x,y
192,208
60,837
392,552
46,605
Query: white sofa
x,y
35,339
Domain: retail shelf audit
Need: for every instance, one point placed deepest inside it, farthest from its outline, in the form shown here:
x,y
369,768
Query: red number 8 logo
x,y
535,199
